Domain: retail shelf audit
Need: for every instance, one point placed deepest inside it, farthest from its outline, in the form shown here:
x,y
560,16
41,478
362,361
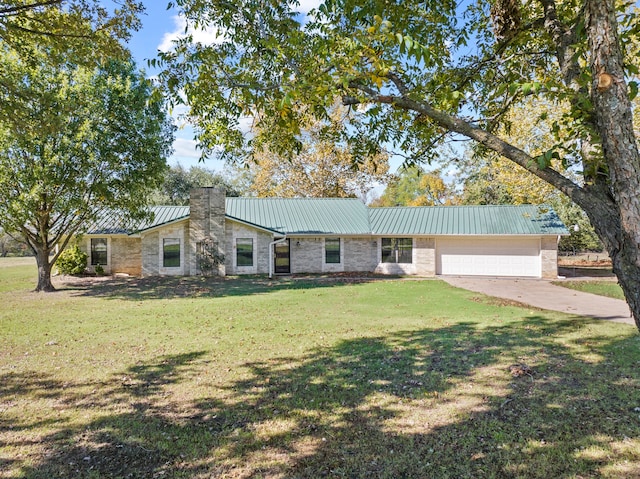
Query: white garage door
x,y
489,257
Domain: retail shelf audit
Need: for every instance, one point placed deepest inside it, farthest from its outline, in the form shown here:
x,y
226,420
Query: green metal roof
x,y
349,216
302,216
466,220
112,223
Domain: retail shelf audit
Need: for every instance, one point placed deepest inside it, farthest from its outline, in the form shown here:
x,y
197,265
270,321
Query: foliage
x,y
87,26
99,270
490,179
414,186
321,168
209,257
582,236
77,140
178,183
193,381
10,246
72,261
418,73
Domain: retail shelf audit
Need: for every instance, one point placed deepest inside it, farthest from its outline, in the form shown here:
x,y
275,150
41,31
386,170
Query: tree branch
x,y
16,9
457,125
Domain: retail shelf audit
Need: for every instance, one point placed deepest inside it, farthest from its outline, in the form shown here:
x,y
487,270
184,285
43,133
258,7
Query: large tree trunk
x,y
614,122
44,271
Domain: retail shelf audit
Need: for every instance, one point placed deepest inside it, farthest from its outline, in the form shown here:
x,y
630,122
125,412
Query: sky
x,y
159,27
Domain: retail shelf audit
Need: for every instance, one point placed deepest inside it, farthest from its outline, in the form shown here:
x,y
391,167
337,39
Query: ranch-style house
x,y
327,235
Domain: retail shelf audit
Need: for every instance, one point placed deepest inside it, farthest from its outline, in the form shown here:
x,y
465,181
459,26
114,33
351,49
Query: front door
x,y
282,258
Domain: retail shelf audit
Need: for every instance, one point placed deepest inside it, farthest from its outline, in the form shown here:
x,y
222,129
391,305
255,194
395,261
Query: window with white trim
x,y
244,251
332,250
397,250
171,253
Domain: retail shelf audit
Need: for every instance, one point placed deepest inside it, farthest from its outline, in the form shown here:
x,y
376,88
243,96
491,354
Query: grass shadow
x,y
440,403
170,287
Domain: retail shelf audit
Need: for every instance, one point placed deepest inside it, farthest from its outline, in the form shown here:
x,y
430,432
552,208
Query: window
x,y
99,251
244,251
397,250
171,252
332,250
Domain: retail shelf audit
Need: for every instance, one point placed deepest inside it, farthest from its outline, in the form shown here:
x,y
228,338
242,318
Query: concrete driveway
x,y
542,294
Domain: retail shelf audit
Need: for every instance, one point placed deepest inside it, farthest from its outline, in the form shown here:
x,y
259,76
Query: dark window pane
x,y
397,250
332,250
244,252
171,253
99,251
405,249
388,250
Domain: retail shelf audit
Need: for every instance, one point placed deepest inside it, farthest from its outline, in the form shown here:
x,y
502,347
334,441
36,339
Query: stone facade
x,y
549,257
207,225
126,256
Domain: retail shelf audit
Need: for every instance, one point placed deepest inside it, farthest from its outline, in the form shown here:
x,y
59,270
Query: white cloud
x,y
207,36
307,5
185,148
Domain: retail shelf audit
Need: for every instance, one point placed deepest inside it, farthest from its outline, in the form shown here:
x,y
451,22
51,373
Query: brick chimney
x,y
206,230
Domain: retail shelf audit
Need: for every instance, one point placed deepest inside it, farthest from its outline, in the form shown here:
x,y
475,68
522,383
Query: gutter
x,y
271,245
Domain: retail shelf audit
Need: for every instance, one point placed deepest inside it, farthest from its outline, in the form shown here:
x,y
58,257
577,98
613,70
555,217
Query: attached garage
x,y
489,256
504,240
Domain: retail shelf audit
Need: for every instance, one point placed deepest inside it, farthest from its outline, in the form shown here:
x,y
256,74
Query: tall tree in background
x,y
78,140
178,183
319,170
419,72
414,186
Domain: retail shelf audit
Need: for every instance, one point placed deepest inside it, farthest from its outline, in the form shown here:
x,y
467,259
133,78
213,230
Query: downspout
x,y
271,245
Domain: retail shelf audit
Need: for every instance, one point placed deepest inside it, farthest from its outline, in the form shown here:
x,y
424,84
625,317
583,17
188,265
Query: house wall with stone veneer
x,y
261,240
126,256
549,256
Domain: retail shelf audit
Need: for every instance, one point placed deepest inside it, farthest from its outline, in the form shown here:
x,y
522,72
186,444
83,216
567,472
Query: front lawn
x,y
251,378
603,288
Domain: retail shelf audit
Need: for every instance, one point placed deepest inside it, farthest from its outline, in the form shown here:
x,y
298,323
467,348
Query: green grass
x,y
602,288
239,378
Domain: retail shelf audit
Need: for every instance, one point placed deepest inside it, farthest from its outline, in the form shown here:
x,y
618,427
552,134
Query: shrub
x,y
99,270
72,261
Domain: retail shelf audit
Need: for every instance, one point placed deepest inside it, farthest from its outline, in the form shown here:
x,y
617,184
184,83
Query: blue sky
x,y
159,26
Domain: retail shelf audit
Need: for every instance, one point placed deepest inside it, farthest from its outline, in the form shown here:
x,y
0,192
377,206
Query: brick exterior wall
x,y
150,254
549,257
306,255
126,256
360,254
425,256
261,240
423,260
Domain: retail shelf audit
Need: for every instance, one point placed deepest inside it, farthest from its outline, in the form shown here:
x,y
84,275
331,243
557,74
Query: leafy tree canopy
x,y
178,183
88,27
414,186
79,140
321,167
